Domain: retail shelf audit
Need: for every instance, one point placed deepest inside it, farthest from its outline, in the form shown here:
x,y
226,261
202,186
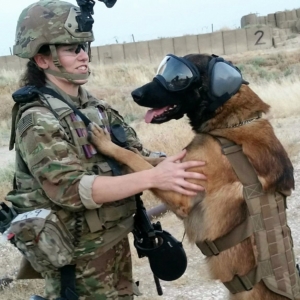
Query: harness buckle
x,y
212,247
239,284
246,283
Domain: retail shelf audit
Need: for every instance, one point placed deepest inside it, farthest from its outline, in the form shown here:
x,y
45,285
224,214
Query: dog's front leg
x,y
178,203
153,161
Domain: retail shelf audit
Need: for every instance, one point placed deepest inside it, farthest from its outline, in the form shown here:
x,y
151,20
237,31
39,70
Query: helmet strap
x,y
62,73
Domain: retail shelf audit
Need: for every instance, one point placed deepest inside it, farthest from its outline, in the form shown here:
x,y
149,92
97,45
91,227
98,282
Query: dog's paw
x,y
100,138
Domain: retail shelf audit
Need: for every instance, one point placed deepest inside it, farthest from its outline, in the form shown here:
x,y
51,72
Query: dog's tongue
x,y
154,112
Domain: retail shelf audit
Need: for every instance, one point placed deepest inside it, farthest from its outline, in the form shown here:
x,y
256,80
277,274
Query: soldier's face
x,y
74,59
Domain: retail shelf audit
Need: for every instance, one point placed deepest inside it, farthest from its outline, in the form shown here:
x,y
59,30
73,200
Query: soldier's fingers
x,y
99,127
96,130
194,175
90,136
183,191
191,164
192,187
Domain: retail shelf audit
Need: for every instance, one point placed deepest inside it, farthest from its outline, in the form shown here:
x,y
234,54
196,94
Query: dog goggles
x,y
225,81
176,73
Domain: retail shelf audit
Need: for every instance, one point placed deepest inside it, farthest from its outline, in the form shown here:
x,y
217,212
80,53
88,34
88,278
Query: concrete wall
x,y
280,19
219,43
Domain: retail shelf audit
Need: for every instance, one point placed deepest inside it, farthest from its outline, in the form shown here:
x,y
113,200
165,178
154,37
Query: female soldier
x,y
57,168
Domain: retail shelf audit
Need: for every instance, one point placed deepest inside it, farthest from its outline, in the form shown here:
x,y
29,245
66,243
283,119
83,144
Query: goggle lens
x,y
175,73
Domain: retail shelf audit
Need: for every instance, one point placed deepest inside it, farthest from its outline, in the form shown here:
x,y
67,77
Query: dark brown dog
x,y
215,212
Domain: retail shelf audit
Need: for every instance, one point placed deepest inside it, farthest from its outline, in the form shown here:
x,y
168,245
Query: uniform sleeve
x,y
52,161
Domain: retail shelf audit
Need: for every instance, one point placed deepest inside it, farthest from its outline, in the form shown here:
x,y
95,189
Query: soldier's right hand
x,y
171,174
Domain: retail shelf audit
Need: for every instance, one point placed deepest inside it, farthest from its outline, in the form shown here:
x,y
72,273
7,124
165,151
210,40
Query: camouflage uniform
x,y
49,172
54,171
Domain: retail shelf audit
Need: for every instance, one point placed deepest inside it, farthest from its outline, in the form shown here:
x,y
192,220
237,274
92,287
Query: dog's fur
x,y
213,213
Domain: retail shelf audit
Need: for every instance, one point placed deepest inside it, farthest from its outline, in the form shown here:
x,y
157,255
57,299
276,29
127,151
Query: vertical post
x,y
10,51
133,38
212,27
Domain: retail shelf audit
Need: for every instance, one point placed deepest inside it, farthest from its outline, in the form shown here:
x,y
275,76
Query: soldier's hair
x,y
34,75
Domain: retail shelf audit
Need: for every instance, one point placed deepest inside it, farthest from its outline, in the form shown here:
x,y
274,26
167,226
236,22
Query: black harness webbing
x,y
45,90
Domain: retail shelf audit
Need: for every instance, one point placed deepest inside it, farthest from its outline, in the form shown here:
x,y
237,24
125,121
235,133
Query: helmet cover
x,y
48,22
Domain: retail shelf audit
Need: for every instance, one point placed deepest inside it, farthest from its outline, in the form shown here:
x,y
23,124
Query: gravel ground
x,y
6,156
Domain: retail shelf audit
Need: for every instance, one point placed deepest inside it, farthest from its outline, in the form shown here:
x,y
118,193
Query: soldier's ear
x,y
42,61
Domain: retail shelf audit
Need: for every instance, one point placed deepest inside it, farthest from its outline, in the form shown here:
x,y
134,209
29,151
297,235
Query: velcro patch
x,y
25,123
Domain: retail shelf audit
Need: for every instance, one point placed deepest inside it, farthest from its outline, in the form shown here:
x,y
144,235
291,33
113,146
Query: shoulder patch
x,y
25,123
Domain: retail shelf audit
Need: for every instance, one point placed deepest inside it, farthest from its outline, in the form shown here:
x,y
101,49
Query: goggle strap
x,y
218,101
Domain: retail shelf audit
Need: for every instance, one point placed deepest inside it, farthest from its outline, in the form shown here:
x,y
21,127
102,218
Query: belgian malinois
x,y
218,103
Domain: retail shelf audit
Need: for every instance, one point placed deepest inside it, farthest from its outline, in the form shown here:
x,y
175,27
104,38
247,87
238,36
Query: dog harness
x,y
267,221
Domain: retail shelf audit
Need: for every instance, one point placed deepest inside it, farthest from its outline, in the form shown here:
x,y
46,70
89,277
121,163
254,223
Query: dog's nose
x,y
137,95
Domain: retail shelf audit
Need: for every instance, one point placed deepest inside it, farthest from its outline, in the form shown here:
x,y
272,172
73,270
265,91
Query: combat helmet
x,y
49,22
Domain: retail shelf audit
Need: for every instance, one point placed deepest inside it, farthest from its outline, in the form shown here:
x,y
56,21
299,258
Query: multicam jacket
x,y
52,168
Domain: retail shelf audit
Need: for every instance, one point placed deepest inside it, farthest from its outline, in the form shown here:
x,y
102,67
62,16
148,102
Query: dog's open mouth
x,y
161,115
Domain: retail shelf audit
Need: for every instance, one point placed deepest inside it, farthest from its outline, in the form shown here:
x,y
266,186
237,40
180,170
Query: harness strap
x,y
246,282
78,125
92,219
239,162
238,234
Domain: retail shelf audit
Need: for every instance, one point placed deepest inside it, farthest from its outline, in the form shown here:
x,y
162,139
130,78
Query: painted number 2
x,y
261,34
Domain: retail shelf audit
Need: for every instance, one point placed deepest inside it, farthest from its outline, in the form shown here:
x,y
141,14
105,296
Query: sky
x,y
140,20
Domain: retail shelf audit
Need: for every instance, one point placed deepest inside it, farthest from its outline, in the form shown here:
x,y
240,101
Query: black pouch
x,y
25,94
118,135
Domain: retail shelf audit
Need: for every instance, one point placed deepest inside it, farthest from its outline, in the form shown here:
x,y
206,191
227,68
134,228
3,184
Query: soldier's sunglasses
x,y
74,49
